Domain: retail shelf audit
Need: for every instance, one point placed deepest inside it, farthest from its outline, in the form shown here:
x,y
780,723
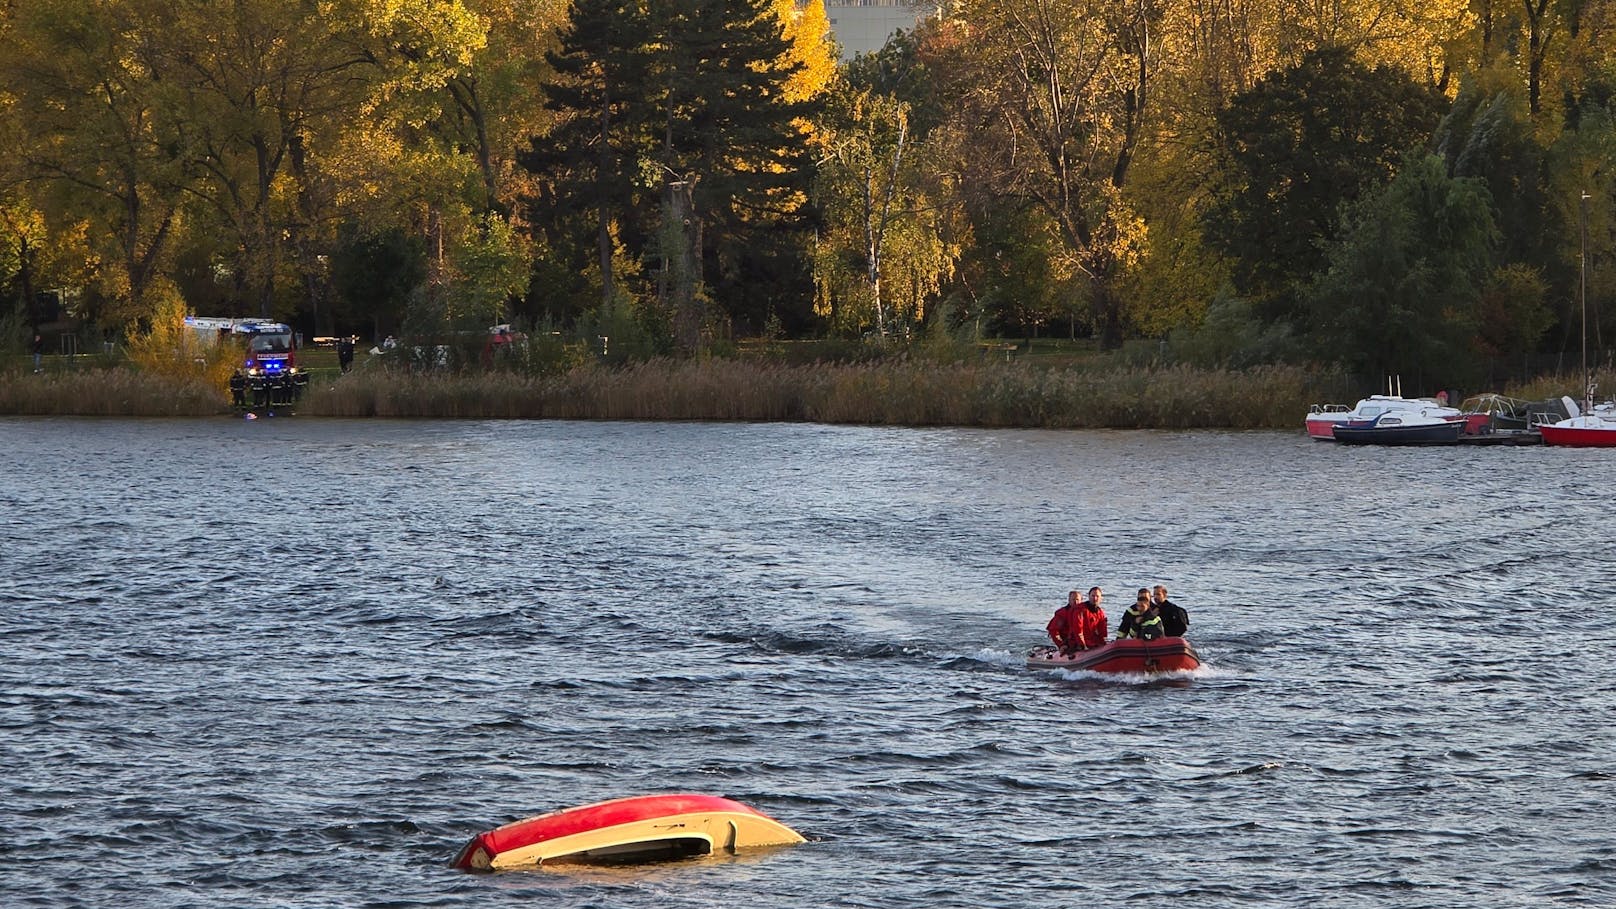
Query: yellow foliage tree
x,y
1414,35
169,348
808,33
1054,104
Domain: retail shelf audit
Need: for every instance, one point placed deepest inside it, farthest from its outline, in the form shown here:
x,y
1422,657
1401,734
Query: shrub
x,y
172,350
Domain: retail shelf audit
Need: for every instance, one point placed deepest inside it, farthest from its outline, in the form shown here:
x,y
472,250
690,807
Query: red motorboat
x,y
1585,431
1127,655
638,829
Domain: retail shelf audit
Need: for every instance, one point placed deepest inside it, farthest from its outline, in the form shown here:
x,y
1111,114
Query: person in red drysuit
x,y
1080,624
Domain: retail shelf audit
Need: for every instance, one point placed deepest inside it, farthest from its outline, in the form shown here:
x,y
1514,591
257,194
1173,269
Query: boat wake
x,y
1131,678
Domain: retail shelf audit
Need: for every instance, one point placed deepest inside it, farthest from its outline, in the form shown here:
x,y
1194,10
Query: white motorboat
x,y
1322,419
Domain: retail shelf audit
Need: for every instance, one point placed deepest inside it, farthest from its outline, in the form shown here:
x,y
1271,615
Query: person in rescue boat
x,y
1141,620
1080,624
1175,621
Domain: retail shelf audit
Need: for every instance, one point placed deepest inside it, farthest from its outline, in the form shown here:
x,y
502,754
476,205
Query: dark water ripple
x,y
299,663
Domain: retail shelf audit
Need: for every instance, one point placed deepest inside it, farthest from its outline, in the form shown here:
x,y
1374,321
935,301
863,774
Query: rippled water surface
x,y
300,663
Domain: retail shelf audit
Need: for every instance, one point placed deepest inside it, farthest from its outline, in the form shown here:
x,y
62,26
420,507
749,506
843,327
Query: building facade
x,y
862,27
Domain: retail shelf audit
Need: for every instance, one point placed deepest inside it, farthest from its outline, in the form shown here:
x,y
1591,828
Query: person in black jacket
x,y
1141,619
1175,621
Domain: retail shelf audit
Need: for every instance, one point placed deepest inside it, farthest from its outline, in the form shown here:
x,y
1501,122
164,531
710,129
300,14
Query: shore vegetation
x,y
903,392
1192,204
1057,386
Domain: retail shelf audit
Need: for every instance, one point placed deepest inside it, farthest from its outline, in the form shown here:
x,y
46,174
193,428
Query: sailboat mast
x,y
1587,377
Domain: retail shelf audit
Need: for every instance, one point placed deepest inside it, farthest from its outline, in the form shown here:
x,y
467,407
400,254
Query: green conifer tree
x,y
590,161
733,150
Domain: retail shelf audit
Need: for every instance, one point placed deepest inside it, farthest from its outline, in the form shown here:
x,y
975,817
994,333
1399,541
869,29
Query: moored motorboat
x,y
1495,414
1590,426
1585,431
1402,429
1127,655
1324,419
636,829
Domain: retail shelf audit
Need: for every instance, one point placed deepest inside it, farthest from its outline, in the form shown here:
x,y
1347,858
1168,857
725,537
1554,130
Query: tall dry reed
x,y
109,392
1567,384
904,393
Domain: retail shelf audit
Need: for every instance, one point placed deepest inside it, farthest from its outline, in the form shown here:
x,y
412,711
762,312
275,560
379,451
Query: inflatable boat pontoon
x,y
1128,655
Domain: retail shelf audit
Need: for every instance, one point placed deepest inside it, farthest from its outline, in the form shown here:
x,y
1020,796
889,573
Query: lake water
x,y
300,662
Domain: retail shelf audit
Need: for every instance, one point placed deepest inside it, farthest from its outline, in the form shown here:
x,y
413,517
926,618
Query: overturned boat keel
x,y
639,829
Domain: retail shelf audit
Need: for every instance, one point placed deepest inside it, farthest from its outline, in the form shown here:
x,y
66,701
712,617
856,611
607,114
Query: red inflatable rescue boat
x,y
639,829
1127,655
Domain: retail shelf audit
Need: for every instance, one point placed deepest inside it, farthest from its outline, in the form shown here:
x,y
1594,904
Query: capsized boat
x,y
637,829
1126,655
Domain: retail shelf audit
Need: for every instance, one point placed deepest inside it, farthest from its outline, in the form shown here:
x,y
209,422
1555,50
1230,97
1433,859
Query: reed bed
x,y
1569,384
117,391
906,393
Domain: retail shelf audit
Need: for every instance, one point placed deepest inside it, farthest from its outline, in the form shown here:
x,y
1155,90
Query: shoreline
x,y
907,393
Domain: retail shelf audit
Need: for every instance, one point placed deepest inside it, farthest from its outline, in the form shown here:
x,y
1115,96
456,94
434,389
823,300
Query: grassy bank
x,y
911,394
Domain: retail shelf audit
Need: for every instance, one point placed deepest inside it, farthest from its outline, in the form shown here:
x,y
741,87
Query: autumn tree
x,y
1052,99
1412,36
881,227
810,49
38,256
462,172
90,132
496,99
262,92
1404,284
1296,147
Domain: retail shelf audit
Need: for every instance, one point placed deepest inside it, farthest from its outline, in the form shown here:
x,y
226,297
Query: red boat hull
x,y
688,823
1322,430
1131,655
1577,437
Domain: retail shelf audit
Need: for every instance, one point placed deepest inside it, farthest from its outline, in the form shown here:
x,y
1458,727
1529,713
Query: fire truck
x,y
268,375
